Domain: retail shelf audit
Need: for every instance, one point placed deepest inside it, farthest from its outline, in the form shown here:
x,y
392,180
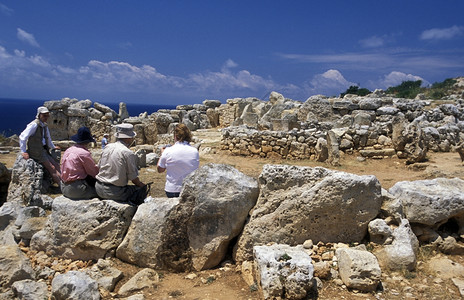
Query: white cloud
x,y
442,33
230,64
329,83
395,78
27,38
6,10
115,77
372,42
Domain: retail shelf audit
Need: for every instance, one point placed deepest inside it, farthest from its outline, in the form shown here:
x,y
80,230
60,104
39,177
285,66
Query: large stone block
x,y
300,203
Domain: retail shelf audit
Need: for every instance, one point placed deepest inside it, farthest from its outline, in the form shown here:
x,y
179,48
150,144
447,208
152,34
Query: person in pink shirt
x,y
78,169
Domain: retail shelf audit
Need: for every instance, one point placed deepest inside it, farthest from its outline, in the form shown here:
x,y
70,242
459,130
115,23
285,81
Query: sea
x,y
15,114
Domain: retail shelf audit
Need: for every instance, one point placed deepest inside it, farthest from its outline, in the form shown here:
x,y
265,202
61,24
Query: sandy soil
x,y
225,281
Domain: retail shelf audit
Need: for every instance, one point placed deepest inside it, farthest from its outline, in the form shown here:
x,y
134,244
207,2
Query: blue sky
x,y
181,52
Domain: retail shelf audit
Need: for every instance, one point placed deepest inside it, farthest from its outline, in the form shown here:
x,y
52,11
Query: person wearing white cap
x,y
35,142
118,165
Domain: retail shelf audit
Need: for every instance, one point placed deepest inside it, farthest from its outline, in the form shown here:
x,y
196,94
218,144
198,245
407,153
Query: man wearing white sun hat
x,y
118,165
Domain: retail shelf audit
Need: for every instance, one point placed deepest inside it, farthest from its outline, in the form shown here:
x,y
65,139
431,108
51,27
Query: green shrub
x,y
355,90
407,89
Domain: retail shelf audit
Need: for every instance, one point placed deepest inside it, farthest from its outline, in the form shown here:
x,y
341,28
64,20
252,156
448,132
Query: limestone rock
x,y
220,198
143,243
14,266
358,269
316,108
401,253
74,285
379,231
409,140
146,278
30,290
300,203
27,183
84,229
283,272
123,113
430,202
105,274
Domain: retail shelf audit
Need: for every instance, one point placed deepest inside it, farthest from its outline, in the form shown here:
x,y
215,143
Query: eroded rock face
x,y
193,231
74,285
300,203
220,198
143,244
283,272
84,229
14,266
28,183
430,202
401,253
409,140
358,269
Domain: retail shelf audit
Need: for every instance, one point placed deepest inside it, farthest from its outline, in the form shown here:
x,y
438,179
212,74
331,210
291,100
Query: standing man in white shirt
x,y
178,160
35,142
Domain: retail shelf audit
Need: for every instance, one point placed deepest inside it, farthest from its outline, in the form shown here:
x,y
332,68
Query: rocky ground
x,y
431,280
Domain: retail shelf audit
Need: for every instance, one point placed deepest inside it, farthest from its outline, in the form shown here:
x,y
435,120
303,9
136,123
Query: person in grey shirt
x,y
118,166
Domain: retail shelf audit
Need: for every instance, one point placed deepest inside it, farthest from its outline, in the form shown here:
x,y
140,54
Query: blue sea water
x,y
15,114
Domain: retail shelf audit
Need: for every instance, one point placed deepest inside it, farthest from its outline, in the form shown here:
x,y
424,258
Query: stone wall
x,y
376,125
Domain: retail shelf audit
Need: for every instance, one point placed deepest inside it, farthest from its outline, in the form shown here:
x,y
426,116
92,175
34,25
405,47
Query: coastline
x,y
15,114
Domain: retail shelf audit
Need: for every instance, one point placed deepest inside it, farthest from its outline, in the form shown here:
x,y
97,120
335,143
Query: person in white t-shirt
x,y
178,160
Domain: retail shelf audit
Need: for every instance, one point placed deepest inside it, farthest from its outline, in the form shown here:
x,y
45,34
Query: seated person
x,y
179,160
118,165
78,169
35,142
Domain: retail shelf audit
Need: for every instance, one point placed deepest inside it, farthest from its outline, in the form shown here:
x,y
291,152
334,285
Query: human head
x,y
182,133
125,131
42,113
83,136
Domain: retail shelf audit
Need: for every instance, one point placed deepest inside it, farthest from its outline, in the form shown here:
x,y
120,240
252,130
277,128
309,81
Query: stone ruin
x,y
289,230
375,126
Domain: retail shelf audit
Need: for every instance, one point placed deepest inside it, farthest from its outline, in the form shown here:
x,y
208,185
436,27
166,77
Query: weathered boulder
x,y
300,203
28,183
14,266
401,253
105,274
359,269
195,232
431,202
409,140
146,278
85,229
28,289
123,113
316,108
212,103
322,151
283,272
74,285
220,198
143,244
379,231
334,137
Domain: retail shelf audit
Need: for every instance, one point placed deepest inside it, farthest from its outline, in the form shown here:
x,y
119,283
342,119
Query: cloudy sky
x,y
180,52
